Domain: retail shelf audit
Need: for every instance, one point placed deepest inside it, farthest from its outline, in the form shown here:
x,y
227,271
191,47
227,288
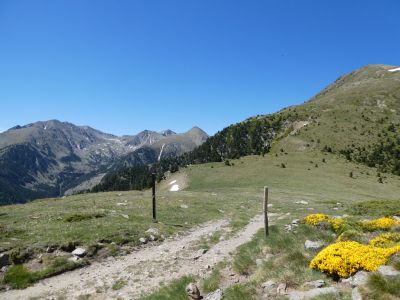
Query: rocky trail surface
x,y
143,271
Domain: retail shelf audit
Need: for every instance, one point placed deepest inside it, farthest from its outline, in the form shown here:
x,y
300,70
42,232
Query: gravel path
x,y
143,271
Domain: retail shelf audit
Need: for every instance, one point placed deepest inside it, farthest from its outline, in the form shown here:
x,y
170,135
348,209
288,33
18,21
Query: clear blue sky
x,y
125,66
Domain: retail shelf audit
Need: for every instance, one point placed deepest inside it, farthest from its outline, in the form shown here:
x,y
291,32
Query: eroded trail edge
x,y
143,271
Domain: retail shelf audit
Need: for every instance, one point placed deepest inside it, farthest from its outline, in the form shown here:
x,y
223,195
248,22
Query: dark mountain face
x,y
45,159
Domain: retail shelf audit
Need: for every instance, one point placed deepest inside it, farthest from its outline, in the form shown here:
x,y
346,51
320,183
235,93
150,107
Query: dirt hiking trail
x,y
143,271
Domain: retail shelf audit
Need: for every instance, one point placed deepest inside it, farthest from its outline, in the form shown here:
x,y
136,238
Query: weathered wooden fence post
x,y
265,209
154,197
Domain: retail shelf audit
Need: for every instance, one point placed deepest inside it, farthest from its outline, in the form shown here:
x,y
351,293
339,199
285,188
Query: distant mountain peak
x,y
167,132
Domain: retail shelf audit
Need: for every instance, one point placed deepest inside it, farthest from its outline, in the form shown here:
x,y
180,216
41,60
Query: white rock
x,y
79,252
125,216
216,295
388,271
153,231
184,206
143,240
295,221
301,202
314,246
360,278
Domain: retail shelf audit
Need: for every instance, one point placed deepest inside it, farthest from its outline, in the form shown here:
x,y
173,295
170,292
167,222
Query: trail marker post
x,y
153,175
265,210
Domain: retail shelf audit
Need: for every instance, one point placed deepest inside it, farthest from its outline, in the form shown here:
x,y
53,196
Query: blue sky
x,y
124,66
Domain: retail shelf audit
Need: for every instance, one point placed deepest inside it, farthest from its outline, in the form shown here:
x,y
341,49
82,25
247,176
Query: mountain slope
x,y
357,116
47,159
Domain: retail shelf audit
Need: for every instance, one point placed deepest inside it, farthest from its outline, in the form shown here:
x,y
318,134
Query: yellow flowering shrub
x,y
336,224
384,223
315,219
386,240
345,258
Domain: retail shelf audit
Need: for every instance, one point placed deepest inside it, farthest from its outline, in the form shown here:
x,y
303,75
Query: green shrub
x,y
82,217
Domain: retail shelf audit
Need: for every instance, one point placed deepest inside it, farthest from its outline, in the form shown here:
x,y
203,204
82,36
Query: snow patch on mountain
x,y
394,70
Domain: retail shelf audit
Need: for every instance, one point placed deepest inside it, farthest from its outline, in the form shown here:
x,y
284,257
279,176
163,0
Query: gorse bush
x,y
389,239
384,223
343,259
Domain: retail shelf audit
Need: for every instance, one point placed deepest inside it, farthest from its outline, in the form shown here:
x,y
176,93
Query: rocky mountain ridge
x,y
48,158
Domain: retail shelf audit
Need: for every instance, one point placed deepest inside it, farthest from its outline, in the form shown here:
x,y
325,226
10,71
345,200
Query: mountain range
x,y
53,158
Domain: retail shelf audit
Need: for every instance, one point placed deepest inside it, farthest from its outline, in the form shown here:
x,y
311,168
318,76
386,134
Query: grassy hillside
x,y
213,191
356,117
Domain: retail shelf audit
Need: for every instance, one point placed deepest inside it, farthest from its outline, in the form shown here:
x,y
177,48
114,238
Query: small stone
x,y
80,252
184,206
199,254
122,204
313,246
125,216
193,291
295,221
216,295
152,238
74,258
4,269
301,202
281,289
259,262
153,231
388,271
269,286
315,284
142,240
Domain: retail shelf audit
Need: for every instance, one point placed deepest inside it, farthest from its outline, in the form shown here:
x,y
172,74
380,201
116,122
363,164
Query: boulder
x,y
4,259
388,271
360,278
216,295
300,295
313,246
80,252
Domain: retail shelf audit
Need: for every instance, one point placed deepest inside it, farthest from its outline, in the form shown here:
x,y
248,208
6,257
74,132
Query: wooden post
x,y
265,208
154,197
